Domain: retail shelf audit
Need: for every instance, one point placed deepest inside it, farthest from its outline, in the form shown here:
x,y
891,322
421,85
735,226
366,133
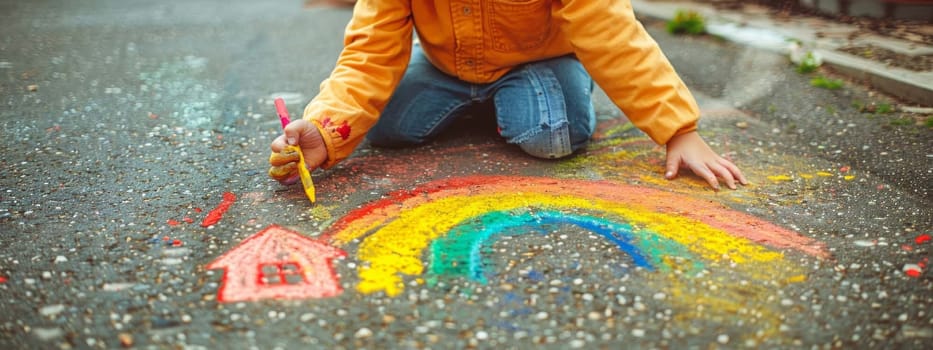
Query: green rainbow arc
x,y
459,253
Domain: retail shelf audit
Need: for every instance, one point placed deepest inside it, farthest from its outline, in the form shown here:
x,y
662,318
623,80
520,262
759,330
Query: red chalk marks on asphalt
x,y
921,239
3,279
167,241
913,270
214,216
277,263
173,222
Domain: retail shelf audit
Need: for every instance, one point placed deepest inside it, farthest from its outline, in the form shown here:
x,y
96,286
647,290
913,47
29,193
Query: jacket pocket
x,y
519,24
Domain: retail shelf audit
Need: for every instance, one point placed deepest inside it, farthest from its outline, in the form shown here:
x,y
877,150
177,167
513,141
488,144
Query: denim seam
x,y
543,100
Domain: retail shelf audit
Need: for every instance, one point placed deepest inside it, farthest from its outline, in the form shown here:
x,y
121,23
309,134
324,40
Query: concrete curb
x,y
912,86
909,85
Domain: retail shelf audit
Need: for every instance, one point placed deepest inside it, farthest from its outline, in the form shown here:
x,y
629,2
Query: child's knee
x,y
549,144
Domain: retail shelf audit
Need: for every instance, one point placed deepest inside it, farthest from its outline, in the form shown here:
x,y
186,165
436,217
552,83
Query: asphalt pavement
x,y
135,211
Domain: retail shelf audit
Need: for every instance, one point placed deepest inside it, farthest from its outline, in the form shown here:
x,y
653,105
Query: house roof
x,y
275,243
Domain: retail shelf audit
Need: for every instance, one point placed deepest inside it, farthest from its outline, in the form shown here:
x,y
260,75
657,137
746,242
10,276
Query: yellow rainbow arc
x,y
401,227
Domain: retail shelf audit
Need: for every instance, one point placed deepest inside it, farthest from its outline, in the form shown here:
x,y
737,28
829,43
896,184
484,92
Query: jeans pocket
x,y
519,24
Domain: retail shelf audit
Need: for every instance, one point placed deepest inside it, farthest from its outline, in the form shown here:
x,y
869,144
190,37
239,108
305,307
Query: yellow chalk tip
x,y
304,174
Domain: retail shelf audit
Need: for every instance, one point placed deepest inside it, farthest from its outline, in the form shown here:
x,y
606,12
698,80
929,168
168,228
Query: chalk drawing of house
x,y
277,263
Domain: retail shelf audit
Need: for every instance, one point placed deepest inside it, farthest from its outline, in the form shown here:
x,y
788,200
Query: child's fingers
x,y
286,174
734,170
673,167
703,171
282,158
278,144
295,130
284,167
725,174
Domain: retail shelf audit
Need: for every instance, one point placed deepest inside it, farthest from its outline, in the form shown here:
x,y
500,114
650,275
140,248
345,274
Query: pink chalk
x,y
282,111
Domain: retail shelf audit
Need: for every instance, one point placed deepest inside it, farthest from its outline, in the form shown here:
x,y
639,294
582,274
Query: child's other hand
x,y
690,150
284,166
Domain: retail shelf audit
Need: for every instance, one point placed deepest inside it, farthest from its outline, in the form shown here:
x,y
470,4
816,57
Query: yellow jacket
x,y
479,41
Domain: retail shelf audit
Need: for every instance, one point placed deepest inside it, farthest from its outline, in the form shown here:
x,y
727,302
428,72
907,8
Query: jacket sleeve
x,y
629,66
377,47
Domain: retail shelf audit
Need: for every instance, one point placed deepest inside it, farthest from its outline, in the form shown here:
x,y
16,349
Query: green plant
x,y
826,83
884,108
808,64
687,22
902,121
874,108
929,122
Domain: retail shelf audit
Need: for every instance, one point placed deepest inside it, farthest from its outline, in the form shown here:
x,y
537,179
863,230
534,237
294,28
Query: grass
x,y
808,64
884,108
826,83
902,121
873,107
875,110
687,22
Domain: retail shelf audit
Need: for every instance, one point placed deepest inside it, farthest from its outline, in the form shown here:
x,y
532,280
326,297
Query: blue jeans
x,y
544,107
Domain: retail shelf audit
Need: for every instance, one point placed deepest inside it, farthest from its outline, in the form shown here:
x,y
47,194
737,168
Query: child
x,y
535,60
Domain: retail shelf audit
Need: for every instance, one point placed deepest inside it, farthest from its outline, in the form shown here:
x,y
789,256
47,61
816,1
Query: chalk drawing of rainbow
x,y
441,227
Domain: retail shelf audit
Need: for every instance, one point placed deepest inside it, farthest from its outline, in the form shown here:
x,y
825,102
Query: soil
x,y
912,31
916,63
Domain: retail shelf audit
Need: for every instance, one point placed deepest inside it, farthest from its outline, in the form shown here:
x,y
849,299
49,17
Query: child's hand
x,y
689,149
284,166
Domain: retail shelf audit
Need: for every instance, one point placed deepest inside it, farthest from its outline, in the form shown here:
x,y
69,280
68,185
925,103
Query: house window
x,y
284,273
